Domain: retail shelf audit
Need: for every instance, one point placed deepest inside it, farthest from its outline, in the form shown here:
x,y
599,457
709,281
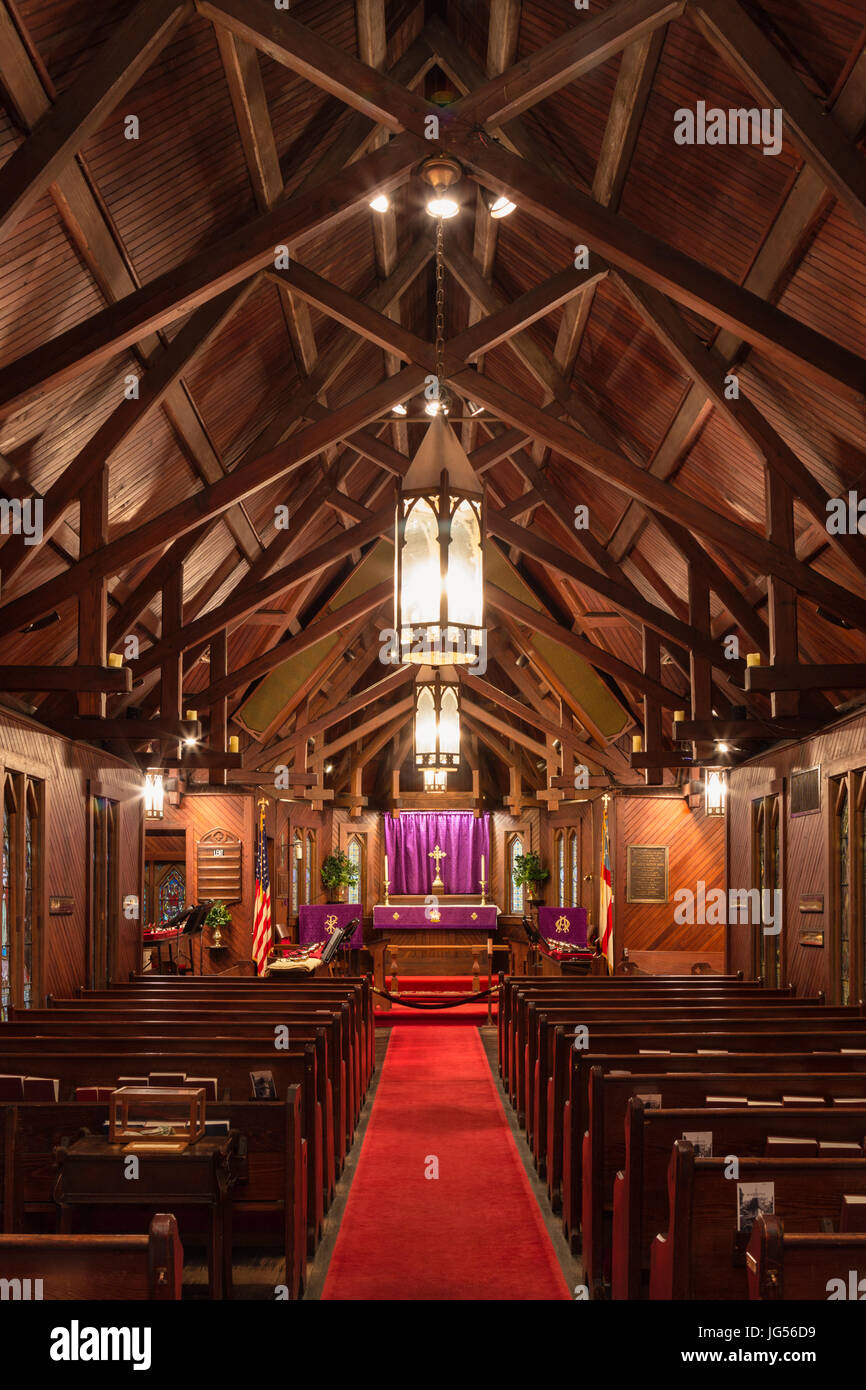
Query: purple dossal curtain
x,y
410,839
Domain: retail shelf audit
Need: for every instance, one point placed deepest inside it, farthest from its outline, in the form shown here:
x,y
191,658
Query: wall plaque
x,y
646,874
218,867
812,904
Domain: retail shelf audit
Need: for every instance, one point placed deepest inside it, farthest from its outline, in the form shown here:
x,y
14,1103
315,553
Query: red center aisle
x,y
474,1233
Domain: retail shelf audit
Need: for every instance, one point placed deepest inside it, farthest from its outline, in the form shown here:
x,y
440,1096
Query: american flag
x,y
262,925
606,904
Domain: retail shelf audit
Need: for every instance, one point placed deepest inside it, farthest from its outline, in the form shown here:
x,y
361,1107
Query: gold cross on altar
x,y
437,854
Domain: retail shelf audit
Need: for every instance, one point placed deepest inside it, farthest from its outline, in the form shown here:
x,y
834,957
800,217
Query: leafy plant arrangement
x,y
527,870
338,873
219,916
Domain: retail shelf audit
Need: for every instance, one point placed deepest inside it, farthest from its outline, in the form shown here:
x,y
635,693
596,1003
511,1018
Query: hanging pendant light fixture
x,y
437,723
439,530
435,781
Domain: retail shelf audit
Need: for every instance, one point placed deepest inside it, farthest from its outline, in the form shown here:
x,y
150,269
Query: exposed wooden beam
x,y
93,607
796,219
598,657
745,730
765,556
214,499
109,679
284,651
561,206
84,106
282,38
584,46
732,31
829,677
176,292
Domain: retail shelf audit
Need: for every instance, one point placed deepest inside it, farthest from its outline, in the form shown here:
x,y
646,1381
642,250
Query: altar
x,y
435,919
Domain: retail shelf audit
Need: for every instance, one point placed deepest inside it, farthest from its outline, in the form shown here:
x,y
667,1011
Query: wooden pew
x,y
700,1254
543,1058
356,987
336,1060
517,993
330,994
525,1001
773,1059
604,1143
639,1206
96,1067
540,1057
271,1195
90,1268
808,1265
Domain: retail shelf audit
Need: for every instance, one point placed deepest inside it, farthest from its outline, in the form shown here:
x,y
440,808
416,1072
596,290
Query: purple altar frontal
x,y
318,921
563,924
447,916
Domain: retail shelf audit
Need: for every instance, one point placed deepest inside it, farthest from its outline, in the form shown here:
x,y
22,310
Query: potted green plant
x,y
338,874
528,872
218,917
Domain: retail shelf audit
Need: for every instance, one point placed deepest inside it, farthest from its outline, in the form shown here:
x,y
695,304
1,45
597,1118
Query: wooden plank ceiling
x,y
164,390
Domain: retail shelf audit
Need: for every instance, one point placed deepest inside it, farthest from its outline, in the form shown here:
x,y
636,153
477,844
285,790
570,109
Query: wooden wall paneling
x,y
696,852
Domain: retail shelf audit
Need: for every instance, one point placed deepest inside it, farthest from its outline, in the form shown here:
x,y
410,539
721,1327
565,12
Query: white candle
x,y
386,868
482,866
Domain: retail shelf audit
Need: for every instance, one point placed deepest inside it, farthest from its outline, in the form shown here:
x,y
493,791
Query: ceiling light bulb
x,y
722,747
381,203
501,207
432,407
190,742
443,207
399,409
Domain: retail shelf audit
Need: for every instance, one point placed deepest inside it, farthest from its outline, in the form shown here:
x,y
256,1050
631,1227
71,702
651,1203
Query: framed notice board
x,y
646,874
218,867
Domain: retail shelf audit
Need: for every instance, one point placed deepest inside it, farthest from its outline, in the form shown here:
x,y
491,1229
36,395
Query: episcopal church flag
x,y
262,927
606,905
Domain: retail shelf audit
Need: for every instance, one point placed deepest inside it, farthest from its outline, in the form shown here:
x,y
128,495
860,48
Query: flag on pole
x,y
606,904
262,925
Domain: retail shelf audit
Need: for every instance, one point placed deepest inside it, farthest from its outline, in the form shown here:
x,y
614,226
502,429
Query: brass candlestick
x,y
483,888
387,887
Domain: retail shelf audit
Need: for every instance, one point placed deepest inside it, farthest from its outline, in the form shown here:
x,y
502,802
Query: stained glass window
x,y
515,849
843,883
354,851
27,941
6,917
574,847
560,867
172,891
297,857
308,867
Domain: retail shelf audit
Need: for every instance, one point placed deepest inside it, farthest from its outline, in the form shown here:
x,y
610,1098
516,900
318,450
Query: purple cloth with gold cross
x,y
563,924
318,921
451,916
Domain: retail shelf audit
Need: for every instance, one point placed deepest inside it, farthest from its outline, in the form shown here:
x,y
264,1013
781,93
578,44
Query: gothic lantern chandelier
x,y
435,781
439,563
437,724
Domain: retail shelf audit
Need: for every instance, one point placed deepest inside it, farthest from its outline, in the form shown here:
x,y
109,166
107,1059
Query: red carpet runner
x,y
474,1233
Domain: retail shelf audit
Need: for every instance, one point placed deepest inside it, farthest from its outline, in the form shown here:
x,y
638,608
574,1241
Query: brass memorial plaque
x,y
646,874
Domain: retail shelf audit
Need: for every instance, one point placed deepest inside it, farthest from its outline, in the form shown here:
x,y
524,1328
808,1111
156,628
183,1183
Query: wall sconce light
x,y
715,791
154,794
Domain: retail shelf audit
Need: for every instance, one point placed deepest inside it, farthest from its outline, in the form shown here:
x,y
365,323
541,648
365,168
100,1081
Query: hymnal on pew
x,y
785,1146
839,1148
41,1088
